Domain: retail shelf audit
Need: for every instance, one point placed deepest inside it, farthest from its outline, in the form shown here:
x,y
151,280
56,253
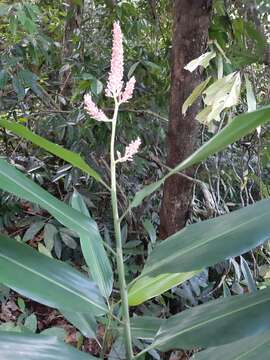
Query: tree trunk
x,y
190,33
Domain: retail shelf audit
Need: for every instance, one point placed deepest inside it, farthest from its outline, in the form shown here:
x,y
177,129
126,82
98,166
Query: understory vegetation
x,y
89,265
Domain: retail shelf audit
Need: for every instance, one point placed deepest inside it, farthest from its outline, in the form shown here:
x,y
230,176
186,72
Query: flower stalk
x,y
119,250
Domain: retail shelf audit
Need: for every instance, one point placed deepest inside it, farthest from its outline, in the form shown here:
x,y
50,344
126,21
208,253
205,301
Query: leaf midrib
x,y
46,202
96,264
194,327
84,232
51,147
50,280
252,350
172,257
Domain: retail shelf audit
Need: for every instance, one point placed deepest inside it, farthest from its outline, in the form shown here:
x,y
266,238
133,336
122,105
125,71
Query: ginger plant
x,y
119,95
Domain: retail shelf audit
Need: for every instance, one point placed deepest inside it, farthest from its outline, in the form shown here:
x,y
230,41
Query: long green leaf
x,y
67,155
200,245
145,327
37,347
13,181
94,254
86,323
250,348
240,126
216,323
46,280
147,287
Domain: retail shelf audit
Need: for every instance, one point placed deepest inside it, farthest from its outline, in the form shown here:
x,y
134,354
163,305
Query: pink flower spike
x,y
128,92
93,110
130,151
115,81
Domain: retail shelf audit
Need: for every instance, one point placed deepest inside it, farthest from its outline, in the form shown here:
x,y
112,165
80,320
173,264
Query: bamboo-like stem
x,y
105,338
119,251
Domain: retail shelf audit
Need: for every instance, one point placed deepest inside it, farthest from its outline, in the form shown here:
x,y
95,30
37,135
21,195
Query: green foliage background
x,y
41,93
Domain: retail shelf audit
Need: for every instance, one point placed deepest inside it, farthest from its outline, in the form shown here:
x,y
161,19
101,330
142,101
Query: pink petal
x,y
128,92
130,151
115,81
93,110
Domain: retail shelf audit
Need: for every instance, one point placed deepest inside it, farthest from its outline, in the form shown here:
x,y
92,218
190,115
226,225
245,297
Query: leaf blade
x,y
216,323
46,280
202,60
94,252
194,95
86,323
69,156
240,126
37,347
145,327
13,181
252,347
203,244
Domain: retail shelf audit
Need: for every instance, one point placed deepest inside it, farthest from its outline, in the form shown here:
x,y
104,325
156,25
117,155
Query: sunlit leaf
x,y
202,60
195,94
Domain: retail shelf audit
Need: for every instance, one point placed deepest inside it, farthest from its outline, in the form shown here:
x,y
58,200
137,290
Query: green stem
x,y
119,251
105,338
124,214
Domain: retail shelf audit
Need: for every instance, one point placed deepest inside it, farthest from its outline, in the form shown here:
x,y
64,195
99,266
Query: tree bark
x,y
190,34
